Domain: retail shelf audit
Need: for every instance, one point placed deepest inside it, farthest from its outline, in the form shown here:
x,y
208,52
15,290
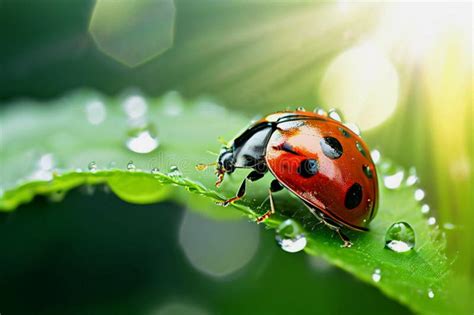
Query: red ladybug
x,y
315,157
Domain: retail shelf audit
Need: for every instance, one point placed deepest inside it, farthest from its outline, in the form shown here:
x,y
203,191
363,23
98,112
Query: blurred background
x,y
401,71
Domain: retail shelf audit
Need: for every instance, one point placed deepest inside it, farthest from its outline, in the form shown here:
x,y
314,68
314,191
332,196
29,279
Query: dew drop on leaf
x,y
393,181
400,237
290,236
142,140
131,167
174,172
335,114
155,170
430,294
377,275
92,166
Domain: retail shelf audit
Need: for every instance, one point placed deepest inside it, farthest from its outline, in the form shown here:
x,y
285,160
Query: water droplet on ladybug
x,y
92,166
377,275
394,181
419,194
320,111
355,129
431,294
142,139
290,236
425,208
335,114
300,109
400,237
131,167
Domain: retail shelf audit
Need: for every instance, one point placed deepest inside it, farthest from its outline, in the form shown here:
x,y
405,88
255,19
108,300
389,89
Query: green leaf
x,y
80,139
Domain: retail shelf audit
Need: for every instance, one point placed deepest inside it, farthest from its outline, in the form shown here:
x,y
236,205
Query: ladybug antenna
x,y
202,167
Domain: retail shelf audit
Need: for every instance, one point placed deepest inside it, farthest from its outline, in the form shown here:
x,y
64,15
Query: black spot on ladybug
x,y
367,171
344,132
331,147
308,168
361,149
353,196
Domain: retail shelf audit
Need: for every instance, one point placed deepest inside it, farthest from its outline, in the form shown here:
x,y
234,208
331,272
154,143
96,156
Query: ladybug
x,y
317,158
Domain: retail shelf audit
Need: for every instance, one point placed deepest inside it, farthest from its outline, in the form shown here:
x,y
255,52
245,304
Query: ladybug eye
x,y
331,147
353,196
308,168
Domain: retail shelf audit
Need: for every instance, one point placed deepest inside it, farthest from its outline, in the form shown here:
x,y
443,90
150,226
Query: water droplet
x,y
431,221
425,208
174,171
353,127
393,181
142,140
419,194
135,106
92,166
131,167
335,114
430,294
412,178
377,275
301,109
44,170
95,112
375,154
449,226
290,236
155,170
400,237
320,111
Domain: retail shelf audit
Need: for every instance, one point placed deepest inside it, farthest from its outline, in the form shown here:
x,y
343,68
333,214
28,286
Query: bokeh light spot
x,y
363,84
217,248
133,32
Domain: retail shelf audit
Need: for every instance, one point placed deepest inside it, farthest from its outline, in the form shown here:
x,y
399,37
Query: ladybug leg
x,y
253,176
346,241
274,187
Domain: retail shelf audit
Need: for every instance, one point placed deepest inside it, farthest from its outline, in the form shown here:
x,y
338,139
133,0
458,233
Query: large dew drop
x,y
400,237
290,236
393,181
142,140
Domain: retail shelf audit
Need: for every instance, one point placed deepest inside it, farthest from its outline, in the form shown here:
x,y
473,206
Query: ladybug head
x,y
225,164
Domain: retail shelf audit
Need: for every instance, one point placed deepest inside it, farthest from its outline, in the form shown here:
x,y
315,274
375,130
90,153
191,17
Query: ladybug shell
x,y
326,165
